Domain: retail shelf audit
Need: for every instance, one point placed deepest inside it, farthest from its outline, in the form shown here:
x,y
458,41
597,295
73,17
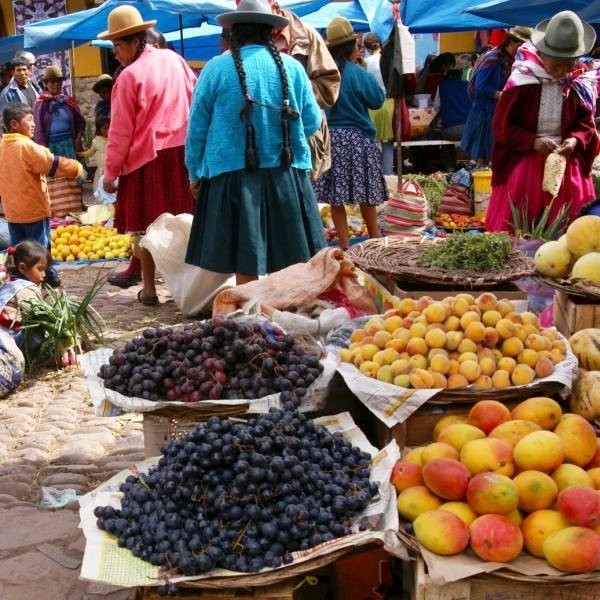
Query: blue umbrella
x,y
531,12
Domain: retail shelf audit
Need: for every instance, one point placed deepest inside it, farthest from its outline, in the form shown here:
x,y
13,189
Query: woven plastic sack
x,y
406,210
192,288
12,365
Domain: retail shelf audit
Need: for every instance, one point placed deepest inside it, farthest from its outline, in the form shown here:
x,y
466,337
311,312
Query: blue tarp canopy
x,y
352,11
10,44
531,12
170,15
427,16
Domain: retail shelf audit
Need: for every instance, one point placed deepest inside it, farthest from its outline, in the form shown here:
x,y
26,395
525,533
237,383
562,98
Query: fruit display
x,y
500,482
242,496
214,359
458,221
453,343
585,395
356,225
89,242
574,254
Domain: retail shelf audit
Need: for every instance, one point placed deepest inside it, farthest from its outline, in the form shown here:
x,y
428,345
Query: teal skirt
x,y
255,222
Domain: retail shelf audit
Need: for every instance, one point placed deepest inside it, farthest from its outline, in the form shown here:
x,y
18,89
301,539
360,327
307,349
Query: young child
x,y
23,187
26,266
97,148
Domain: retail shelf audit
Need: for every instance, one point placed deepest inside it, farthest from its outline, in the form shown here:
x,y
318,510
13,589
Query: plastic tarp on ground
x,y
170,15
427,16
531,12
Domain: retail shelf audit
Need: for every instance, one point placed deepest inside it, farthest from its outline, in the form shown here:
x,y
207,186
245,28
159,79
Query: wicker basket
x,y
399,257
572,286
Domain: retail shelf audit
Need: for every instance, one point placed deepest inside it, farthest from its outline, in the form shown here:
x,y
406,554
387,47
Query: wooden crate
x,y
572,313
417,430
285,590
419,586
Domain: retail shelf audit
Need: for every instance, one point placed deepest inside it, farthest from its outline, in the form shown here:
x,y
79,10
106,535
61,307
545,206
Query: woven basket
x,y
399,257
572,286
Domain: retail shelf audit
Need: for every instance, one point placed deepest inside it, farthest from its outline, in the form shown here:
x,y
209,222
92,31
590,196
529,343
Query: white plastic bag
x,y
192,288
102,196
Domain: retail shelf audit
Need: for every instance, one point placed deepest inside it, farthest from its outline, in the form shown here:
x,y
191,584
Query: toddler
x,y
23,186
26,266
97,148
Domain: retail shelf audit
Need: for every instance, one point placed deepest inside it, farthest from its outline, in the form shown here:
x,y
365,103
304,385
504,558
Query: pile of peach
x,y
453,343
499,482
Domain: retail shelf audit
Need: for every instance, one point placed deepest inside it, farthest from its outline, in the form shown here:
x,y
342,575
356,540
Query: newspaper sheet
x,y
105,562
109,403
393,404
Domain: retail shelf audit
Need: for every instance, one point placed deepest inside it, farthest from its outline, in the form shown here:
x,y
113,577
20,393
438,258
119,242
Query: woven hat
x,y
103,80
52,72
340,31
123,21
523,34
565,35
252,11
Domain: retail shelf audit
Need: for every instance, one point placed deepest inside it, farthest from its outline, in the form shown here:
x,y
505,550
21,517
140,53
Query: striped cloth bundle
x,y
65,196
406,210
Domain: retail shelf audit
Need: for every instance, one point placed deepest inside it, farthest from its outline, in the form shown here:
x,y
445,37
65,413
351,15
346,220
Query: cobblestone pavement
x,y
50,438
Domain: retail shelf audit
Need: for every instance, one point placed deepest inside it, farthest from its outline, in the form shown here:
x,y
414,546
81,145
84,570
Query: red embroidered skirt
x,y
160,186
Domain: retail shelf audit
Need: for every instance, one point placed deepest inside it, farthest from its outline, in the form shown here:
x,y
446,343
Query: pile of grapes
x,y
219,358
242,495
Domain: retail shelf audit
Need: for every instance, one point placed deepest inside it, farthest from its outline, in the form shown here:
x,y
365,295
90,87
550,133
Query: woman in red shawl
x,y
547,106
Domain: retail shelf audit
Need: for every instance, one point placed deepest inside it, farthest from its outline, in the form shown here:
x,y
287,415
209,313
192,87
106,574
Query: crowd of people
x,y
282,119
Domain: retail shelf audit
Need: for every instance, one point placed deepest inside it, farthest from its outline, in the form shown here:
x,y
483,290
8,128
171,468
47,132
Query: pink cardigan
x,y
150,105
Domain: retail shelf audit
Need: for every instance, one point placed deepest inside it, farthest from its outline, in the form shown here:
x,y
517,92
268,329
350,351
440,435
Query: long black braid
x,y
251,33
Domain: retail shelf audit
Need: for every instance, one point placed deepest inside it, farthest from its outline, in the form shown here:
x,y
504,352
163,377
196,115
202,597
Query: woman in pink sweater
x,y
150,105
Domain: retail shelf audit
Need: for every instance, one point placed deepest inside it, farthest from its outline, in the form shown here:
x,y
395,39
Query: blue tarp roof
x,y
428,16
170,15
531,12
10,44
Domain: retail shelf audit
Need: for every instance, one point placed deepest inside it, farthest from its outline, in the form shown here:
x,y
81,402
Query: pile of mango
x,y
89,242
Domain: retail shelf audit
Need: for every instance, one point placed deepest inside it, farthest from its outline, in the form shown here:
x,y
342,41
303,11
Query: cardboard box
x,y
572,313
418,585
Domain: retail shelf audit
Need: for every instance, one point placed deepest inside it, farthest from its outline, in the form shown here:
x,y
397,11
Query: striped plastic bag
x,y
406,210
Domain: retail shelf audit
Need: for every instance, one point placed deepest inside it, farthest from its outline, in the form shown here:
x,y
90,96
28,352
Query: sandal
x,y
147,300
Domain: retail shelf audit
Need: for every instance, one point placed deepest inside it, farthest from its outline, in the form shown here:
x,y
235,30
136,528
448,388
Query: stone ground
x,y
51,438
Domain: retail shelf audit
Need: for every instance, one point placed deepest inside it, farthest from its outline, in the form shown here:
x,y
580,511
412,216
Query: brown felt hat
x,y
103,81
123,21
340,31
523,34
52,72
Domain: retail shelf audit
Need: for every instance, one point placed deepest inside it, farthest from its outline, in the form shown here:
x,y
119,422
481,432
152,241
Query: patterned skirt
x,y
255,222
160,186
356,174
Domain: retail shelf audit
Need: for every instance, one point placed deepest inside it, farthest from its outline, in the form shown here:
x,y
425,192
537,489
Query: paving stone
x,y
83,469
54,417
130,458
17,489
19,412
84,451
25,402
63,478
105,439
64,425
19,468
16,477
5,498
32,455
50,428
27,526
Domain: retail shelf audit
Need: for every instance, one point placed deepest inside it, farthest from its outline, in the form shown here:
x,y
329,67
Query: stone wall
x,y
82,90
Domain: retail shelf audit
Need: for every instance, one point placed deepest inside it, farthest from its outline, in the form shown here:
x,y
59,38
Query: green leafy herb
x,y
56,323
481,253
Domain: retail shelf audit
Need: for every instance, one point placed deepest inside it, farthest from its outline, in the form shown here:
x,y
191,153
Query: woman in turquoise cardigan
x,y
247,154
356,174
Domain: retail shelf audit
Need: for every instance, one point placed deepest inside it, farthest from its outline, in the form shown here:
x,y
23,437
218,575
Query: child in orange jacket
x,y
23,187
